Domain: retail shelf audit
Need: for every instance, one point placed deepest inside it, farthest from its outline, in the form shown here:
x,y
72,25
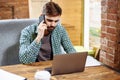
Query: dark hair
x,y
52,9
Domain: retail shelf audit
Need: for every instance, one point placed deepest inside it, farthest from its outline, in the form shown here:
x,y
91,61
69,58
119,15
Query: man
x,y
39,42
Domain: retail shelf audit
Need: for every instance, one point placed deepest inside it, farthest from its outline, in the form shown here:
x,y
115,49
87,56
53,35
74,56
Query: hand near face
x,y
41,29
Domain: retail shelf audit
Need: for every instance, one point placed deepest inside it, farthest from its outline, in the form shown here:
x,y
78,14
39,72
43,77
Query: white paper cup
x,y
42,75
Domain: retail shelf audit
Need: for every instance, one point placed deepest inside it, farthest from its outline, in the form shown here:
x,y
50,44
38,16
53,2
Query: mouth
x,y
50,29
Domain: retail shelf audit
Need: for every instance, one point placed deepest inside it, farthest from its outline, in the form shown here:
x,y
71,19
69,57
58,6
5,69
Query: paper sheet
x,y
92,62
4,75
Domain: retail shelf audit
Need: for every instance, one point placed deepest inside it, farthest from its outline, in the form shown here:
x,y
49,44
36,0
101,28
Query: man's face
x,y
51,22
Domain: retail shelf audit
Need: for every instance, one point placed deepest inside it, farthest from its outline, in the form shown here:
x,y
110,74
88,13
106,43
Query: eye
x,y
56,21
49,20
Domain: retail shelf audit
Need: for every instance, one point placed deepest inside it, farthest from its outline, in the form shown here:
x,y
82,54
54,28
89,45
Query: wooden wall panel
x,y
72,19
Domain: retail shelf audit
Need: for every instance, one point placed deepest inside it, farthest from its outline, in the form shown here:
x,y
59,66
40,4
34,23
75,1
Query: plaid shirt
x,y
29,49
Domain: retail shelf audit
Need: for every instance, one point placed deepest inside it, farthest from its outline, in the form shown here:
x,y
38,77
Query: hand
x,y
41,29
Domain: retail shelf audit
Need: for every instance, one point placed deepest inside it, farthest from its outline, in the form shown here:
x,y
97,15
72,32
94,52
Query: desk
x,y
90,73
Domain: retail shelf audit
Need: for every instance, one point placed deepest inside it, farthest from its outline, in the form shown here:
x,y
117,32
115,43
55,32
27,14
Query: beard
x,y
50,28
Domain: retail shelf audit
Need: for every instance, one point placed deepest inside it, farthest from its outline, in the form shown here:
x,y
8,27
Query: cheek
x,y
48,23
56,24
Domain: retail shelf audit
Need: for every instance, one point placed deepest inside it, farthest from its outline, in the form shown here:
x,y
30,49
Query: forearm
x,y
67,44
28,53
38,39
68,47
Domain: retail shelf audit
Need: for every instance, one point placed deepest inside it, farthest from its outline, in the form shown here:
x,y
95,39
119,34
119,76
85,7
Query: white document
x,y
4,75
92,62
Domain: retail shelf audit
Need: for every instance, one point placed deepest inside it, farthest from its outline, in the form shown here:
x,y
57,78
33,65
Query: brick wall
x,y
110,33
14,9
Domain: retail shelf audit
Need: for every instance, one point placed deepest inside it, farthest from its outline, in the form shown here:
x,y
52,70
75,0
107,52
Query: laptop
x,y
68,63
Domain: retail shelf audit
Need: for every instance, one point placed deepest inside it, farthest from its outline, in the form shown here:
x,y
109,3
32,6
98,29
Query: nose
x,y
53,23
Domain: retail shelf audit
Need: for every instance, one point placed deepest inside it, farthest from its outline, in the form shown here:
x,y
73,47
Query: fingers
x,y
41,29
42,25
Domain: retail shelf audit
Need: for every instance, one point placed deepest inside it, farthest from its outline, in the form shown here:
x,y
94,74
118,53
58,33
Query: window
x,y
92,23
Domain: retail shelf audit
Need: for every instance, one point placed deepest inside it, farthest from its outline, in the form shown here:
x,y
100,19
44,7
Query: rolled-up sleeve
x,y
28,50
